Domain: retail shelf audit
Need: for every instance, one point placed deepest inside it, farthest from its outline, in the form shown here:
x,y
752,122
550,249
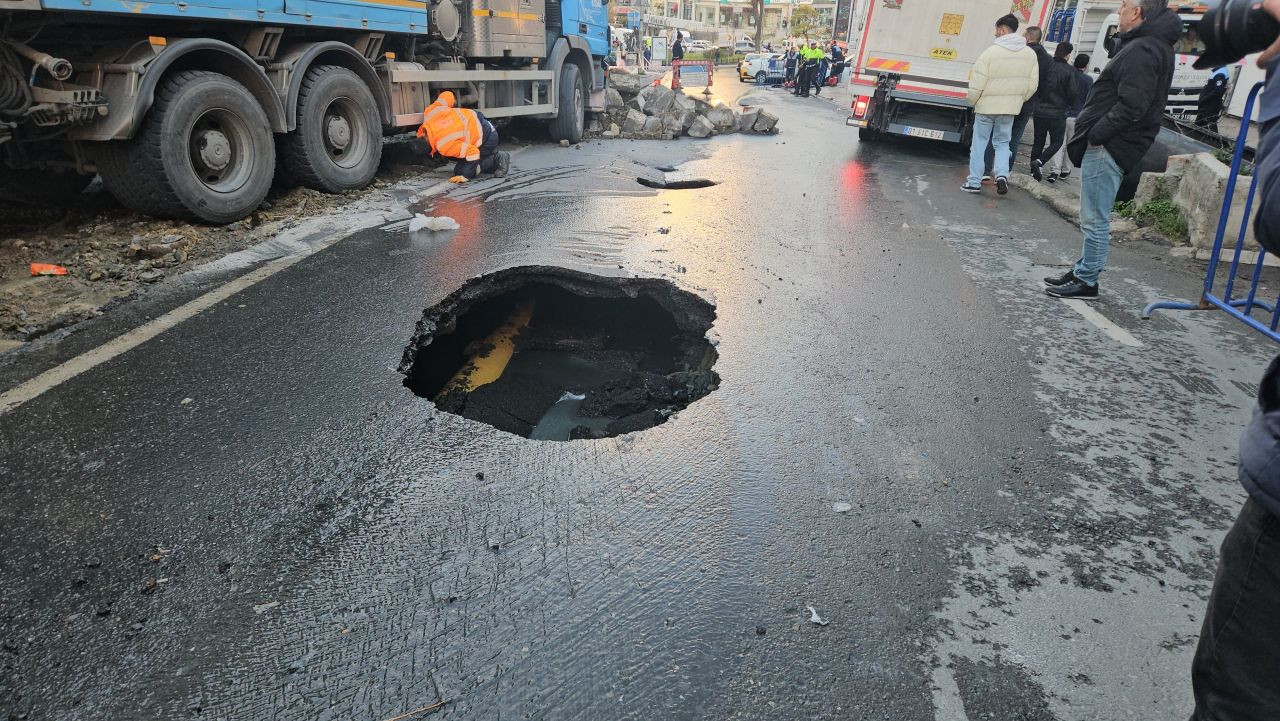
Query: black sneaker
x,y
1035,169
971,188
1064,174
986,178
1051,178
1063,279
1002,185
1075,288
504,164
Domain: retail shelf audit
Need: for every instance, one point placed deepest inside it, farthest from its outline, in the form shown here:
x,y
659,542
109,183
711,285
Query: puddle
x,y
555,354
691,184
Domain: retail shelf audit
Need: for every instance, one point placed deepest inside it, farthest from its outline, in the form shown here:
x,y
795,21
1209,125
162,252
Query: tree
x,y
806,22
757,8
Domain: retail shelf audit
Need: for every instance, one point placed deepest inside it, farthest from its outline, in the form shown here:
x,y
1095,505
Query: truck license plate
x,y
924,133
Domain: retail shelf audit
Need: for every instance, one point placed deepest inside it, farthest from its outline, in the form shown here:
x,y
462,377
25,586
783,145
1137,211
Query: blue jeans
x,y
1015,139
1099,182
994,130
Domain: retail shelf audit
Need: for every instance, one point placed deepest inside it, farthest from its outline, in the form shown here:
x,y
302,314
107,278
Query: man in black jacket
x,y
1057,95
1033,35
1236,671
1118,125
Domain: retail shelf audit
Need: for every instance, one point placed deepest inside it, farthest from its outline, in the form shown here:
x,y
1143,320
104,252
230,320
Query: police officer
x,y
1212,95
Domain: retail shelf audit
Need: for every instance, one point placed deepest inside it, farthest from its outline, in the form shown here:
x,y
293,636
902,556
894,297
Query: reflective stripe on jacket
x,y
452,132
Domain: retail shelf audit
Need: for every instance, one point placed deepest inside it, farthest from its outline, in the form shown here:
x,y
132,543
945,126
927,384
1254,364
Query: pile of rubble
x,y
636,107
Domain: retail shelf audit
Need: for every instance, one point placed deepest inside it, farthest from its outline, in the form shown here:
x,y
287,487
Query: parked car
x,y
755,66
744,46
698,46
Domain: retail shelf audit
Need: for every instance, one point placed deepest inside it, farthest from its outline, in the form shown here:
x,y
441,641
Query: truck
x,y
911,71
189,108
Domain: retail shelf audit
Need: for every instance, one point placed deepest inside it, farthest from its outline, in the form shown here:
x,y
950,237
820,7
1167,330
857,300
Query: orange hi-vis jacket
x,y
452,132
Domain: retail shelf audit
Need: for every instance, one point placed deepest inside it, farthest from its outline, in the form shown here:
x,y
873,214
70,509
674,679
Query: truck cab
x,y
1187,81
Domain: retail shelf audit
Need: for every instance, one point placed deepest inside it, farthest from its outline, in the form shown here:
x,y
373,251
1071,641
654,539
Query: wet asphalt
x,y
249,516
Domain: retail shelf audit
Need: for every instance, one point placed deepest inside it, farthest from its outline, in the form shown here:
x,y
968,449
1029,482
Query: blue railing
x,y
1060,25
1241,308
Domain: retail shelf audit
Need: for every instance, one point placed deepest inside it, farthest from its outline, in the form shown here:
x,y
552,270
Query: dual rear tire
x,y
206,150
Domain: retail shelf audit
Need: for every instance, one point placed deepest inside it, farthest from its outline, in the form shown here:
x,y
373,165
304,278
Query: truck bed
x,y
932,44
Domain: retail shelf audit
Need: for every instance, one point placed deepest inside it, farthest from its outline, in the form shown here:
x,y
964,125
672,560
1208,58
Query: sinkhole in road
x,y
690,184
551,353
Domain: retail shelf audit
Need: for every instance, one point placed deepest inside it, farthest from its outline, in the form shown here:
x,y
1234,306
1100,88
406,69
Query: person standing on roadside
x,y
1118,125
789,64
1059,166
1003,79
1033,35
1057,95
808,66
1235,675
1212,95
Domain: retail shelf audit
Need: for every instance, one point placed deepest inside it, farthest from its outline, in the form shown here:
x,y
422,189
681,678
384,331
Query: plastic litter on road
x,y
47,269
814,618
429,222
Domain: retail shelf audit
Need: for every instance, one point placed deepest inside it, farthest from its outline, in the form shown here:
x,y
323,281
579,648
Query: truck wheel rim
x,y
577,107
345,133
219,149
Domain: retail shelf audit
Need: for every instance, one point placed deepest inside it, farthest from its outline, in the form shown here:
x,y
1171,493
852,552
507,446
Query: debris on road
x,y
841,507
814,618
262,608
432,223
47,269
638,106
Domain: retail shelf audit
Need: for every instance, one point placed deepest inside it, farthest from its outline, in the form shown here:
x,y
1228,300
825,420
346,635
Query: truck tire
x,y
42,187
204,152
338,142
569,123
868,135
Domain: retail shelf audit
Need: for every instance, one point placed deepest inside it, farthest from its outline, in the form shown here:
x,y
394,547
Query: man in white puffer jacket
x,y
1005,76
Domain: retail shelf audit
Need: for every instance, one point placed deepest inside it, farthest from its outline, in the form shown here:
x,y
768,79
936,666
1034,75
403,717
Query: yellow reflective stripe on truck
x,y
505,14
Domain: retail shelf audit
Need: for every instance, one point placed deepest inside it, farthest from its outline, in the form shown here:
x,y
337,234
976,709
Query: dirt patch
x,y
554,354
112,253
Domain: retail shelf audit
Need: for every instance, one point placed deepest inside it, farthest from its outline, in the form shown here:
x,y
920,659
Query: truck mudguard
x,y
300,58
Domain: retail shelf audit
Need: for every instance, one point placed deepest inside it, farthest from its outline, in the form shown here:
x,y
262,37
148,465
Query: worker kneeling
x,y
463,134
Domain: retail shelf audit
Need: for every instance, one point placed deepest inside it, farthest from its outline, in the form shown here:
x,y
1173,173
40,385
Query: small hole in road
x,y
554,354
676,184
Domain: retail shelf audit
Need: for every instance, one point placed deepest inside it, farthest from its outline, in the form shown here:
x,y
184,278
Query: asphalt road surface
x,y
243,514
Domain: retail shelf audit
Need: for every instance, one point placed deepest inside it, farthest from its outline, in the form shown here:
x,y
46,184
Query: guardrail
x,y
1241,308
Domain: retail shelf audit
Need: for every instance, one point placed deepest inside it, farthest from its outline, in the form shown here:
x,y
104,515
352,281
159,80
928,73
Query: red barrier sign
x,y
694,72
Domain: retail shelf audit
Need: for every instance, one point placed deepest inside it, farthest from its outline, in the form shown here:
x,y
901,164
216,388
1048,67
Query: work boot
x,y
1075,288
504,164
1063,279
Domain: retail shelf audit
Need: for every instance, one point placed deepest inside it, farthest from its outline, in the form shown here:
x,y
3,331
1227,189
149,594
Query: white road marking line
x,y
1118,334
125,342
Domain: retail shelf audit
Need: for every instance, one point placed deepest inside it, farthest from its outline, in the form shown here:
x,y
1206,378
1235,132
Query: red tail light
x,y
860,107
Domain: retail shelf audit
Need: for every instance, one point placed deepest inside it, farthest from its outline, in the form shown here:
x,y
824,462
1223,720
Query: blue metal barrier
x,y
1241,308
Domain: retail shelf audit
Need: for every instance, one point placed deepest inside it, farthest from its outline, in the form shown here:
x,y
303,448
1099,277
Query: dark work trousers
x,y
806,79
1019,127
488,161
1236,671
1056,130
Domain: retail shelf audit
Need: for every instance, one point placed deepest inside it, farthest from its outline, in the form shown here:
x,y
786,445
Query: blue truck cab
x,y
189,108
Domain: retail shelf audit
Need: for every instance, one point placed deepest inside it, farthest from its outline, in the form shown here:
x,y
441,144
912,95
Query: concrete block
x,y
748,119
629,84
613,99
657,99
701,127
634,122
1199,197
767,122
